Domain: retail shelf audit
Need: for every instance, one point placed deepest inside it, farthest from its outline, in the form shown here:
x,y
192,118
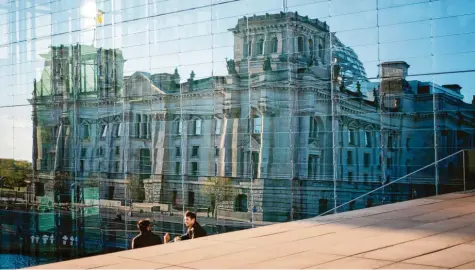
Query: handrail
x,y
387,184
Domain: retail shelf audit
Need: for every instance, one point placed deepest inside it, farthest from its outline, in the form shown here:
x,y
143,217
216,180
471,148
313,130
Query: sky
x,y
436,38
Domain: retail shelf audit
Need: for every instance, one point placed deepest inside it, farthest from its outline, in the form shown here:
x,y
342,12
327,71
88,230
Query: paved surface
x,y
436,232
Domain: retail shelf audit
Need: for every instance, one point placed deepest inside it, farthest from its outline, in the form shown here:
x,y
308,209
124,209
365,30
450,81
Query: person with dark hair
x,y
194,229
146,238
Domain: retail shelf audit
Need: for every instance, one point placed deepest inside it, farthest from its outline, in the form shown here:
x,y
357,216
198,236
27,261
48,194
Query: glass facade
x,y
246,112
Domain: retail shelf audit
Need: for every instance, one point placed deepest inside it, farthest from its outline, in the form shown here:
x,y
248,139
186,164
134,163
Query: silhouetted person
x,y
146,238
194,229
118,217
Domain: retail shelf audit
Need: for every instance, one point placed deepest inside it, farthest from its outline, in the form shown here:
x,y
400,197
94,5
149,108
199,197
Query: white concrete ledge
x,y
436,232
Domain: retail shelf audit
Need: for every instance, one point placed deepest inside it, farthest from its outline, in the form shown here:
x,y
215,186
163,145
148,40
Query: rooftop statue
x,y
231,66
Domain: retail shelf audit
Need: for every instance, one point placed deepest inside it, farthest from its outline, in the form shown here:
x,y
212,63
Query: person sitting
x,y
194,229
146,238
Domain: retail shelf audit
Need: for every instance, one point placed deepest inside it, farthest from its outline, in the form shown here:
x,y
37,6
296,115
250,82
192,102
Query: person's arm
x,y
200,232
133,243
159,240
184,237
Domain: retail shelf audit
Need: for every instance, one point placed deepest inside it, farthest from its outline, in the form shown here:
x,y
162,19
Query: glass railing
x,y
439,177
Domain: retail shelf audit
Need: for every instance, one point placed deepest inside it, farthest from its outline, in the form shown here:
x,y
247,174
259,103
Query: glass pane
x,y
244,112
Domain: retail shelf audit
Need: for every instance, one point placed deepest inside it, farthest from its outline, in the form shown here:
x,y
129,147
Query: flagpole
x,y
97,20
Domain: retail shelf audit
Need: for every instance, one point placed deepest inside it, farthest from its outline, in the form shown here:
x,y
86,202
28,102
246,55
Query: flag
x,y
99,16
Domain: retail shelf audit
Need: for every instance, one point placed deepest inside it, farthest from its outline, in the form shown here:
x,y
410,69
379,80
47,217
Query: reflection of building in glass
x,y
261,135
353,69
77,85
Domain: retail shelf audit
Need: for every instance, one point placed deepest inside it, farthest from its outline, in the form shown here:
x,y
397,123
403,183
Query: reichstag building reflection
x,y
245,112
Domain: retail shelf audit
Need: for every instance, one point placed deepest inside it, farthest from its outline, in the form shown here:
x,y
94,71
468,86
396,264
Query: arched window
x,y
321,52
260,47
240,203
274,45
300,44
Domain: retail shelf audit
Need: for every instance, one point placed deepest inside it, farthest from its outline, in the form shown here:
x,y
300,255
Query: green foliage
x,y
218,189
136,190
15,172
45,134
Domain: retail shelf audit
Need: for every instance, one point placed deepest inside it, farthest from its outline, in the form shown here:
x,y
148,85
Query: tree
x,y
218,189
14,172
135,190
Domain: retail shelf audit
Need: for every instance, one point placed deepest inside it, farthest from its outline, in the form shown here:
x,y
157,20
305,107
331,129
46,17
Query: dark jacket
x,y
196,231
145,240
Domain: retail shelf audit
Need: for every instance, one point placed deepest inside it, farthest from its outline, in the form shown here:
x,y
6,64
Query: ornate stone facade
x,y
277,126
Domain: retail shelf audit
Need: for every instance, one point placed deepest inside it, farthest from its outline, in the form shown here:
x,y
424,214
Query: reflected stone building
x,y
277,133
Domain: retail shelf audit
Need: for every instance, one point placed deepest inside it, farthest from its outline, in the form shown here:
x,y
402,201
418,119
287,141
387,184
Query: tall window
x,y
144,126
177,168
191,198
86,131
300,44
195,151
117,130
312,166
351,136
367,138
103,131
179,126
390,142
255,164
274,45
313,128
247,47
349,158
256,125
310,46
174,197
138,119
366,160
408,142
321,50
197,126
100,151
350,177
178,151
145,161
260,47
194,168
217,126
